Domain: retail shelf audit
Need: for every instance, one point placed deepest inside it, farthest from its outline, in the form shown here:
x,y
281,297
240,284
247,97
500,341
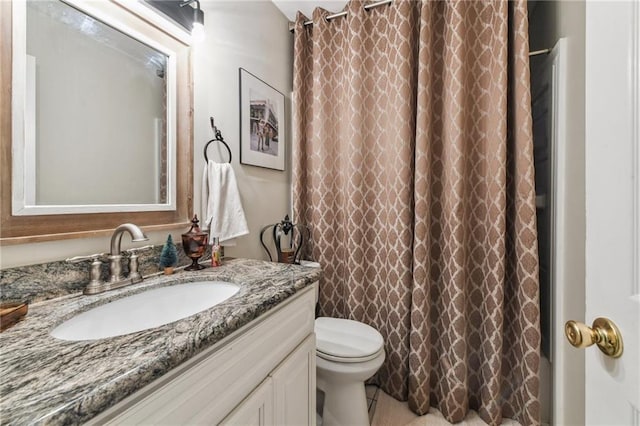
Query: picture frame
x,y
262,123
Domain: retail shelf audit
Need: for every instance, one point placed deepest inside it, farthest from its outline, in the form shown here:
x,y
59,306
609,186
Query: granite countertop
x,y
44,380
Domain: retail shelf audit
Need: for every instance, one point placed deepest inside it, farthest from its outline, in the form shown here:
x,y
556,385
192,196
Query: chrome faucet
x,y
116,279
133,230
115,256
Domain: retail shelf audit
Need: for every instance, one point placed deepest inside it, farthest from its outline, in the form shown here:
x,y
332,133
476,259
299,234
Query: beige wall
x,y
251,35
550,21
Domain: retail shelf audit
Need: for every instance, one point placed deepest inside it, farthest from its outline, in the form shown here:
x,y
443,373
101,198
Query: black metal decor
x,y
217,138
288,238
171,8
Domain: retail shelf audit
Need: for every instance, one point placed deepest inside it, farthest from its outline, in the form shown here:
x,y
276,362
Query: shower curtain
x,y
413,167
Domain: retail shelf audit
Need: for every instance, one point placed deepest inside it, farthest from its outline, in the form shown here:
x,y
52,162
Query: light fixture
x,y
197,30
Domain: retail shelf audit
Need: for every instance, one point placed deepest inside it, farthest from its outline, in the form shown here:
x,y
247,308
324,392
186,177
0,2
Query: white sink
x,y
145,310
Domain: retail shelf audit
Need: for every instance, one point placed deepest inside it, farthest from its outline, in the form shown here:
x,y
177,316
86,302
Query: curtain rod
x,y
382,3
344,13
539,52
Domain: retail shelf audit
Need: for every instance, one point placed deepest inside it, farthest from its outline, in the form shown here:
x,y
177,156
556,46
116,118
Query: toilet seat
x,y
347,341
329,357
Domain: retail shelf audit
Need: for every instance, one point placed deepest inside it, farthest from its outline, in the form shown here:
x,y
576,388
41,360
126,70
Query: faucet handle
x,y
134,274
134,251
95,272
92,257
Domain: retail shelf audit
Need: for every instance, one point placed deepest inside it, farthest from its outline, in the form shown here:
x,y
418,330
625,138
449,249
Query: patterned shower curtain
x,y
413,166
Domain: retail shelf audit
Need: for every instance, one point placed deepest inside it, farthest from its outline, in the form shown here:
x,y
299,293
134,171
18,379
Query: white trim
x,y
635,135
89,208
558,152
157,135
18,102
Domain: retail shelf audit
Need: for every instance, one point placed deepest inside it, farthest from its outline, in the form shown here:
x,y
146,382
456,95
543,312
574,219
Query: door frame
x,y
567,364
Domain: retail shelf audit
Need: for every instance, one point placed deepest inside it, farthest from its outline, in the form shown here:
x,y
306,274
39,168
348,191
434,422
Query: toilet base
x,y
344,404
345,399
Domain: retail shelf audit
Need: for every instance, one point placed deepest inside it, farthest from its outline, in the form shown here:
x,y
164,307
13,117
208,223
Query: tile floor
x,y
386,411
372,392
389,412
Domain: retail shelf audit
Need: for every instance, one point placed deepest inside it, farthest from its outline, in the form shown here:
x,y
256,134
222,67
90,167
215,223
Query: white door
x,y
613,206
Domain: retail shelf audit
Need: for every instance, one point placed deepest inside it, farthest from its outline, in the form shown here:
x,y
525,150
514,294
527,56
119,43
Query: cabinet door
x,y
294,383
256,409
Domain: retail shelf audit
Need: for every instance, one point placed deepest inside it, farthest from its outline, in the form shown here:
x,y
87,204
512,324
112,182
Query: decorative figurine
x,y
169,256
288,238
194,244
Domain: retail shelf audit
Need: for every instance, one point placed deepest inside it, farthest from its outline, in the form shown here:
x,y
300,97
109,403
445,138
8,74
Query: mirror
x,y
100,121
100,92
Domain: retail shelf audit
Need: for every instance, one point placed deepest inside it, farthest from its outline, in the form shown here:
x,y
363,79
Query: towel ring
x,y
218,138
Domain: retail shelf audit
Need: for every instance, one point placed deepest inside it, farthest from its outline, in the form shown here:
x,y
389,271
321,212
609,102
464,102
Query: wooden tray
x,y
11,313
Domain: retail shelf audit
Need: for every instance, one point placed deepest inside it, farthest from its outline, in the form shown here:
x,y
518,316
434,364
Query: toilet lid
x,y
343,338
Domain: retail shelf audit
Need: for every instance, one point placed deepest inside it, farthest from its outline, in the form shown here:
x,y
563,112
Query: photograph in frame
x,y
262,123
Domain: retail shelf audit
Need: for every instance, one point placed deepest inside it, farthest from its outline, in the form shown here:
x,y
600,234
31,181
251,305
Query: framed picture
x,y
262,124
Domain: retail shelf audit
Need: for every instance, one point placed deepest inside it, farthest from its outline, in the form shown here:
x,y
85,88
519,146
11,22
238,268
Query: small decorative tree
x,y
169,256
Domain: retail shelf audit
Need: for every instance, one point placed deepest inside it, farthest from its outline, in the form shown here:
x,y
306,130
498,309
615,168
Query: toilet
x,y
347,353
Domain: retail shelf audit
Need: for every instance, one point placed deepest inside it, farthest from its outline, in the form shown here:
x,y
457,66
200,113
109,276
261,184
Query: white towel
x,y
221,204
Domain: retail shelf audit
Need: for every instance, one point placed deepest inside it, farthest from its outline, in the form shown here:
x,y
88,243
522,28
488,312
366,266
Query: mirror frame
x,y
27,229
24,149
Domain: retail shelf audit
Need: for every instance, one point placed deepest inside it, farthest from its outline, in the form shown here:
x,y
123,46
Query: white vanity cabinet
x,y
284,398
262,374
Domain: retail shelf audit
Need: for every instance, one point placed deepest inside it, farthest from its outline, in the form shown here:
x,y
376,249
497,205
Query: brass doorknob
x,y
603,332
